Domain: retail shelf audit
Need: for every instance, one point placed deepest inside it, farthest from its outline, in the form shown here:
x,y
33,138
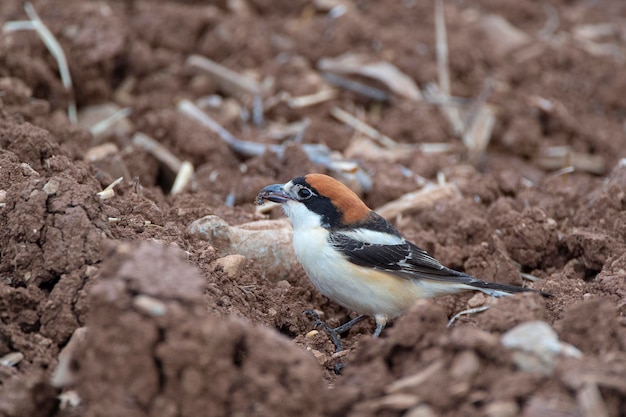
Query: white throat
x,y
300,216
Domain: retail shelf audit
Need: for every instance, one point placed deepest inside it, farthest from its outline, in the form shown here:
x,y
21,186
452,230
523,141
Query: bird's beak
x,y
275,193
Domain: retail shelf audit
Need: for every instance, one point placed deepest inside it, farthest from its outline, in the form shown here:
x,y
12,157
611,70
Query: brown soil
x,y
170,331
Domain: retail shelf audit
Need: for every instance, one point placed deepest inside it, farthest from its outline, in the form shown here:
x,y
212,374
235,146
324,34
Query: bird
x,y
358,259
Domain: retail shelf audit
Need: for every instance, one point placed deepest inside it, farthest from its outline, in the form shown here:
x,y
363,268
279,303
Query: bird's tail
x,y
500,290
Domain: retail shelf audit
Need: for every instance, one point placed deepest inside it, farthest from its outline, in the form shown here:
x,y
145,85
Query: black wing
x,y
408,261
404,259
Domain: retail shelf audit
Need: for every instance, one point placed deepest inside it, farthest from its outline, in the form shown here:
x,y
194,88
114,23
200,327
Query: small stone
x,y
283,284
340,354
51,187
91,271
65,374
149,305
231,264
536,347
422,410
319,356
69,399
477,300
502,409
100,152
399,401
311,334
465,364
267,242
11,359
28,171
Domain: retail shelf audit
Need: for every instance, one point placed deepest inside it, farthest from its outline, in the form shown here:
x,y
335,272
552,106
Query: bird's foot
x,y
333,333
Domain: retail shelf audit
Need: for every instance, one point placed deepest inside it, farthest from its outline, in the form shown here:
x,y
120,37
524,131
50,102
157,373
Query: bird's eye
x,y
304,193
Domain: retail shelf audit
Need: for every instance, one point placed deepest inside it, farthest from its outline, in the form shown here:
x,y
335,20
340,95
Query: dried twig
x,y
477,104
257,110
157,150
410,382
590,401
560,157
362,127
225,77
356,87
53,46
529,277
477,133
312,99
362,147
241,147
398,402
105,124
452,113
304,125
417,200
465,313
552,22
295,130
232,82
442,49
381,71
317,153
183,178
109,191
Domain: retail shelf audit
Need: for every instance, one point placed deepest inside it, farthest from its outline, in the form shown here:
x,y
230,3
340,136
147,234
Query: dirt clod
x,y
183,361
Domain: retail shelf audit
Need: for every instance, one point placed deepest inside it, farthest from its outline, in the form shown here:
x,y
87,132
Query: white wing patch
x,y
372,237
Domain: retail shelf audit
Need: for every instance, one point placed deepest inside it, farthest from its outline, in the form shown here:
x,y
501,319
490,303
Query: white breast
x,y
356,288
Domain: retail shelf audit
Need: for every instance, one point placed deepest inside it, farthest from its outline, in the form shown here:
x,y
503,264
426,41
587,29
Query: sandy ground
x,y
172,324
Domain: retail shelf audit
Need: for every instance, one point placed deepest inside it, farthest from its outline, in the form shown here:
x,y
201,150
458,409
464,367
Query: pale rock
x,y
231,264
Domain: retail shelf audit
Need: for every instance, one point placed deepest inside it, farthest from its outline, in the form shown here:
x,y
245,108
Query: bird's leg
x,y
379,329
381,321
333,333
464,312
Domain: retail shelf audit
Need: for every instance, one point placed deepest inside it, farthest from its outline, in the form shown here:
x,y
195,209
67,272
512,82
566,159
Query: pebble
x,y
477,300
502,409
11,359
51,187
422,410
537,346
100,152
319,356
465,365
64,374
69,399
399,401
340,354
149,305
231,264
312,334
268,242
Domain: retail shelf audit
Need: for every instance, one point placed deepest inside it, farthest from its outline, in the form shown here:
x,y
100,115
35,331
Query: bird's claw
x,y
332,333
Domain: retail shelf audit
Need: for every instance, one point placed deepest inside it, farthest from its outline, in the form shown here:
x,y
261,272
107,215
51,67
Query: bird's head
x,y
316,200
